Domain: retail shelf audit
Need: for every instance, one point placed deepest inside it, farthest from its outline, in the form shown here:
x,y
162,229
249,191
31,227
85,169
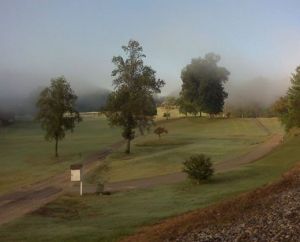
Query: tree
x,y
287,107
293,96
6,118
198,167
131,104
203,84
160,130
186,107
56,110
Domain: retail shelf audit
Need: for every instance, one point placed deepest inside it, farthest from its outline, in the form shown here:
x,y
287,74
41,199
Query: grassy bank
x,y
97,218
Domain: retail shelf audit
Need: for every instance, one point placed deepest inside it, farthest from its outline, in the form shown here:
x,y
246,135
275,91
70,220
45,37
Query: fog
x,y
258,43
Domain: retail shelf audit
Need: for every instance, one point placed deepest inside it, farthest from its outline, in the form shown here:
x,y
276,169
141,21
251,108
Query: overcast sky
x,y
42,39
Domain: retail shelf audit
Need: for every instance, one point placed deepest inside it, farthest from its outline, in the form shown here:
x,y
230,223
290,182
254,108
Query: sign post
x,y
76,170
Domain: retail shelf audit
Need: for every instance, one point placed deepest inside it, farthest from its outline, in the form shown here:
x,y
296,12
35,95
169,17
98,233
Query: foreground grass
x,y
219,138
107,218
26,157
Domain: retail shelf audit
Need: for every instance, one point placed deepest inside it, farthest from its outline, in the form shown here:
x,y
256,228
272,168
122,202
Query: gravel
x,y
278,219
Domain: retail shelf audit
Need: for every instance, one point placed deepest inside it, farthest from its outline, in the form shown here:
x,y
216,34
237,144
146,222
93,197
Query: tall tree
x,y
203,84
289,107
56,110
132,105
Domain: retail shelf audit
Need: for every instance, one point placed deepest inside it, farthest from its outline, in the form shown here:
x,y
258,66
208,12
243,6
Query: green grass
x,y
219,138
26,157
107,218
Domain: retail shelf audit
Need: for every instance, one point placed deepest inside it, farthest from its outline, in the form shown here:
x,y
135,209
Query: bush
x,y
160,130
198,167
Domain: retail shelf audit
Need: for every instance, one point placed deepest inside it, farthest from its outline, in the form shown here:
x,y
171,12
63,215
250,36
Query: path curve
x,y
223,166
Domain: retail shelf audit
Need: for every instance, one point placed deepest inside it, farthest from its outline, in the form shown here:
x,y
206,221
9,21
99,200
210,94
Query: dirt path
x,y
16,204
223,166
29,198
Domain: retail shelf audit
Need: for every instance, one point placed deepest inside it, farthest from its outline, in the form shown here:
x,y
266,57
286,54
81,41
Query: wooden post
x,y
80,188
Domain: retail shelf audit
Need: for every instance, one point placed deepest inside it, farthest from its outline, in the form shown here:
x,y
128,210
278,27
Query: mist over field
x,y
41,41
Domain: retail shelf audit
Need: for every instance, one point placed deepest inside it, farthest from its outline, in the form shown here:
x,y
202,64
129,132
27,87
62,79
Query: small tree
x,y
160,130
56,110
198,167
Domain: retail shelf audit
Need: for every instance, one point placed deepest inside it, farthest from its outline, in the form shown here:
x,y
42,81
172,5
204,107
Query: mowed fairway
x,y
26,157
219,138
107,218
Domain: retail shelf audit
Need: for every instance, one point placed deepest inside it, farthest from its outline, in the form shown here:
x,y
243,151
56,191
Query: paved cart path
x,y
17,204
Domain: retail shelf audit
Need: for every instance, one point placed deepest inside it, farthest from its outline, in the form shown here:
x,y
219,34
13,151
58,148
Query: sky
x,y
41,39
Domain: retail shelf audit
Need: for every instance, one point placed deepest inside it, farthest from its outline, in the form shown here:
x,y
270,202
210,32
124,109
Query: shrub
x,y
160,130
198,167
167,115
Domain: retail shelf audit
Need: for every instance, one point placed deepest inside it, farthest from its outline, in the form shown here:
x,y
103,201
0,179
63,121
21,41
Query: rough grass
x,y
107,218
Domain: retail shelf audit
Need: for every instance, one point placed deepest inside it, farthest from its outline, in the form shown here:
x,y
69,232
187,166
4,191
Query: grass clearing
x,y
26,157
107,218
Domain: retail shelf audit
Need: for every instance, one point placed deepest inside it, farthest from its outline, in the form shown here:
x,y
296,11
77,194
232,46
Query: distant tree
x,y
198,167
6,118
289,106
56,110
132,105
203,84
160,130
186,107
227,114
167,115
92,100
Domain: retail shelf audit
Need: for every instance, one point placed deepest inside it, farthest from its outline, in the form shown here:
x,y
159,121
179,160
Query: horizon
x,y
43,40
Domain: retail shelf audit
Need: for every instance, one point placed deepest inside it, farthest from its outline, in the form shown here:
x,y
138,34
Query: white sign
x,y
75,175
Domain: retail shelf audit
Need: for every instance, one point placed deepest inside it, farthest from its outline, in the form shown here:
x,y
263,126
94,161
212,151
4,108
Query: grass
x,y
107,218
219,138
26,157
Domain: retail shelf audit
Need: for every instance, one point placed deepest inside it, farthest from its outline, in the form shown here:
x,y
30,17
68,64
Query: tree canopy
x,y
288,107
56,110
131,104
203,85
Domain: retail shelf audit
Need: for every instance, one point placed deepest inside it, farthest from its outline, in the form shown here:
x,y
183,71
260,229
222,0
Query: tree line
x,y
288,106
132,105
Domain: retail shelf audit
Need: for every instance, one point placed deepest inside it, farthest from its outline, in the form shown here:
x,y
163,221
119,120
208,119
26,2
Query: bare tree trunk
x,y
127,151
56,147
